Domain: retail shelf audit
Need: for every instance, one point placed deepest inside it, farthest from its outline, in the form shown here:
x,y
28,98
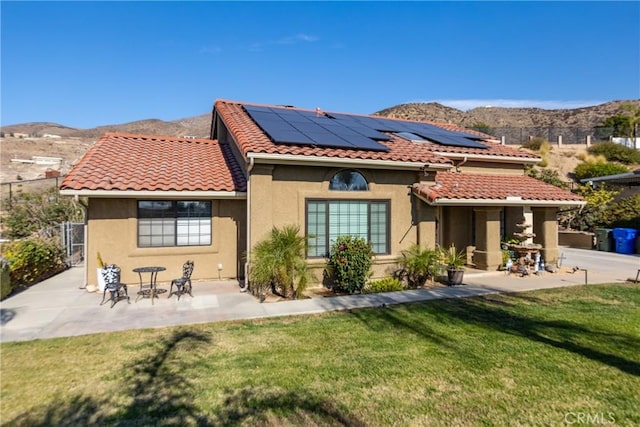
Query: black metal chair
x,y
182,284
112,284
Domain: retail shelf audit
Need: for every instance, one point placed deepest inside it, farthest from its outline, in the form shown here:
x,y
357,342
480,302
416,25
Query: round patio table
x,y
149,290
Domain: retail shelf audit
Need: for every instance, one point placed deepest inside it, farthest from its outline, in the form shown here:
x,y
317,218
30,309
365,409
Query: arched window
x,y
348,180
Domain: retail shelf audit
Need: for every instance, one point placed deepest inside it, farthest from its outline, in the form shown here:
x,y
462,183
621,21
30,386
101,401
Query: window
x,y
348,180
328,219
174,223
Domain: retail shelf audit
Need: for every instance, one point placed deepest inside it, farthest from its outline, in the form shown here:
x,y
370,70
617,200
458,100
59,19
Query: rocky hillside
x,y
73,143
497,117
199,126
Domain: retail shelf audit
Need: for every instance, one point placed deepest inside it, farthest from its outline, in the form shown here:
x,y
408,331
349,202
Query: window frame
x,y
175,218
328,201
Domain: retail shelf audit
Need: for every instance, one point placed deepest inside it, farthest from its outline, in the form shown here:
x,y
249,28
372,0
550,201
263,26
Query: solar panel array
x,y
288,126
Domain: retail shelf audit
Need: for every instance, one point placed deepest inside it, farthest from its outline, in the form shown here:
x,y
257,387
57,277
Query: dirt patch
x,y
68,150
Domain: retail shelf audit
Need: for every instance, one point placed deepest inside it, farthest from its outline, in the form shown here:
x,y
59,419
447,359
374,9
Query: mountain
x,y
73,143
498,117
494,117
199,126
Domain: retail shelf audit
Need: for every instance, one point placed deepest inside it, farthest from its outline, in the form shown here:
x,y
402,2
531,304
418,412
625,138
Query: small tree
x,y
278,263
625,123
349,264
32,212
419,265
594,213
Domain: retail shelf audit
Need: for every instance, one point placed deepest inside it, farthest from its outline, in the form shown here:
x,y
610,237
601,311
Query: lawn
x,y
537,358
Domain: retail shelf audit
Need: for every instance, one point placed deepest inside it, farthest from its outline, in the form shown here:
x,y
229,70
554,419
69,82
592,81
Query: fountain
x,y
527,254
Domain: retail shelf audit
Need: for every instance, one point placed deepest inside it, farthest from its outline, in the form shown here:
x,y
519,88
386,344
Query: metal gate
x,y
72,236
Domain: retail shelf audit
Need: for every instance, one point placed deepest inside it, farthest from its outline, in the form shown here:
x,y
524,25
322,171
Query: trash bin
x,y
604,239
625,240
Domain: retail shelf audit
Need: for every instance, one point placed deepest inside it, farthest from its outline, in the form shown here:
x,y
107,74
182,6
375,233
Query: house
x,y
627,183
161,200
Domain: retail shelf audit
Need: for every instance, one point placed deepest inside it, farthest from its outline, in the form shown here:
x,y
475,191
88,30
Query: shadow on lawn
x,y
604,346
265,406
156,391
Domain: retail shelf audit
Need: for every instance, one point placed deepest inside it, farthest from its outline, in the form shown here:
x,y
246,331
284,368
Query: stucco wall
x,y
278,194
494,168
112,231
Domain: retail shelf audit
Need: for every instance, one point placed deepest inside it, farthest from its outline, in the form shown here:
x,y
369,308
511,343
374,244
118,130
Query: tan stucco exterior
x,y
112,230
278,195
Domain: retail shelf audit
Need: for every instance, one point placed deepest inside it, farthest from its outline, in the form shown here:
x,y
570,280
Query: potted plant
x,y
454,262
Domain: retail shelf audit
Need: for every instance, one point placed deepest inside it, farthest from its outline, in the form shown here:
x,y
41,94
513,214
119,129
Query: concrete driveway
x,y
57,307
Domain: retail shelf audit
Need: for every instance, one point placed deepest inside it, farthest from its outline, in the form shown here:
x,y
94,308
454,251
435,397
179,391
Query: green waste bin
x,y
604,239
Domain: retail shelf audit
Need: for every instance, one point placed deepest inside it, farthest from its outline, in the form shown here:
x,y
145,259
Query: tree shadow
x,y
159,387
158,391
75,411
269,406
154,389
499,314
562,334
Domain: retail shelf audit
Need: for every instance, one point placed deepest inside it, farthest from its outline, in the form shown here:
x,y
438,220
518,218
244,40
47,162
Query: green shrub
x,y
547,175
32,212
387,284
595,169
535,143
625,213
33,260
278,263
349,264
615,152
5,278
419,265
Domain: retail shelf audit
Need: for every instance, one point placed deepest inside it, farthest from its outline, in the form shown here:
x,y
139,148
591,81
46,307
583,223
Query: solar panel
x,y
454,140
410,136
289,126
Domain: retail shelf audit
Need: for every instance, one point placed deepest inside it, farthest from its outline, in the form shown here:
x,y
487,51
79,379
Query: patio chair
x,y
117,290
182,284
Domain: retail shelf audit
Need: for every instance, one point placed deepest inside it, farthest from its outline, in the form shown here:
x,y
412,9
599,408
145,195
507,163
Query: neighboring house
x,y
628,183
161,200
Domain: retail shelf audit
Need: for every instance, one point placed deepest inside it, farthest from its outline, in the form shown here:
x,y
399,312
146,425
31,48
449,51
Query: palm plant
x,y
278,263
418,265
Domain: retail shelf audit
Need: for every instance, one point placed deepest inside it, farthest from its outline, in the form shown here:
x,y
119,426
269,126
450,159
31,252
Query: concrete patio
x,y
58,307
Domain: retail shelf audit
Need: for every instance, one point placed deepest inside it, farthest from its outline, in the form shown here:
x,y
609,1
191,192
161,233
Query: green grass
x,y
537,358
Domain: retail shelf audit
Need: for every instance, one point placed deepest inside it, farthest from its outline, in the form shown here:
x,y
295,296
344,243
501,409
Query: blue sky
x,y
84,64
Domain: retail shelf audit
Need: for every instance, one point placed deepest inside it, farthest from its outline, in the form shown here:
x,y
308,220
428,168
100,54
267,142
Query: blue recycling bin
x,y
625,240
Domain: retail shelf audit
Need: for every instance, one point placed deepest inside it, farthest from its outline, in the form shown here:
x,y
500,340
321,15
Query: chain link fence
x,y
569,135
71,236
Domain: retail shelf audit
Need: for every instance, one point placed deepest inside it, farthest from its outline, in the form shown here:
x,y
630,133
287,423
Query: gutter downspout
x,y
248,250
85,233
461,163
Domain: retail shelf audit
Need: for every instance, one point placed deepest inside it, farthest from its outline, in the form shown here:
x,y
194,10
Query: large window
x,y
174,223
328,219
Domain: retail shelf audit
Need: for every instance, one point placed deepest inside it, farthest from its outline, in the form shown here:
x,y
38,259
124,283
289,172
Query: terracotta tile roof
x,y
142,162
479,187
252,139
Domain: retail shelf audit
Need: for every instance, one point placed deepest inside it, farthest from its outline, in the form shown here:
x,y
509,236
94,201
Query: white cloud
x,y
467,104
288,40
